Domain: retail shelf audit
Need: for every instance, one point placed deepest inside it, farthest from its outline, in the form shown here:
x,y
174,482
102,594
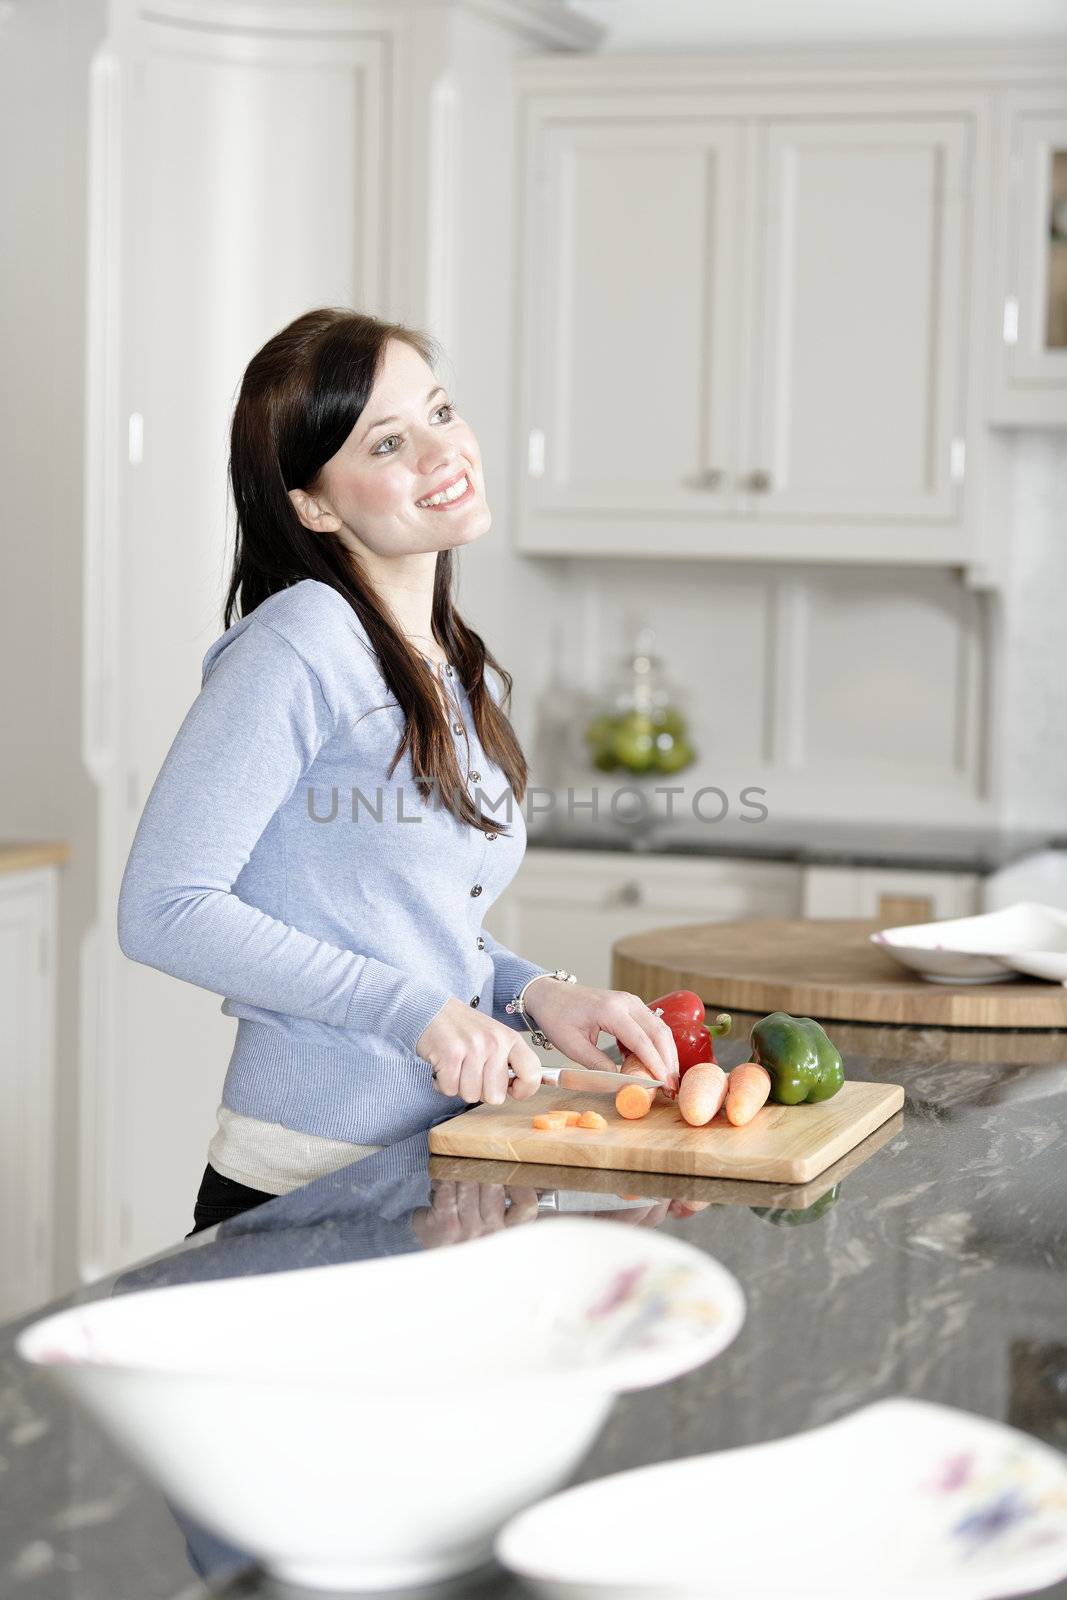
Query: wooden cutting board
x,y
655,1186
823,968
782,1144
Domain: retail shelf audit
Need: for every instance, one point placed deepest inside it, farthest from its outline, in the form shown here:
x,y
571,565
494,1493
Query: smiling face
x,y
408,445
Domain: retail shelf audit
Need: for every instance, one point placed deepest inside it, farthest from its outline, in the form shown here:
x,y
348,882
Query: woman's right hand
x,y
471,1054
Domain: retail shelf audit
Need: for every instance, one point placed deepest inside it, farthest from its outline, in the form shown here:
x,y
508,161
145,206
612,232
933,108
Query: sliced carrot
x,y
546,1120
572,1118
747,1088
592,1119
633,1102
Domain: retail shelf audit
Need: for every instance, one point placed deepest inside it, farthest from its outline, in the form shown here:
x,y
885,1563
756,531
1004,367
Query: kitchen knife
x,y
593,1081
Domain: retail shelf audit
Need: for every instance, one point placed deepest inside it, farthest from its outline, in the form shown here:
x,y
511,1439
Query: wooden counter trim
x,y
21,857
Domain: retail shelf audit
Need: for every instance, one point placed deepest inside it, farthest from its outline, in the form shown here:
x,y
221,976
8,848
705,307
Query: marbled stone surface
x,y
840,844
928,1263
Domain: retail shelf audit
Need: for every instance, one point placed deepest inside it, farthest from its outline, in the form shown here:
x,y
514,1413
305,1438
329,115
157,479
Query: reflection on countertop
x,y
929,1262
807,843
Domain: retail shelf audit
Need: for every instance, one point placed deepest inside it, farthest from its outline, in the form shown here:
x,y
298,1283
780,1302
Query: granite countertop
x,y
844,844
927,1263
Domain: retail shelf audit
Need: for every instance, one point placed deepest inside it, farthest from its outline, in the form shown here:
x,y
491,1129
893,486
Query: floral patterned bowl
x,y
372,1424
898,1501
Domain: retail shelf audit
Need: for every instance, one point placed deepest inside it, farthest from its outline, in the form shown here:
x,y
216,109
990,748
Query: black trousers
x,y
220,1198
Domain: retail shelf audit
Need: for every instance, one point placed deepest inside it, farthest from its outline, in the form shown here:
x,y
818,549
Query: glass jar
x,y
639,728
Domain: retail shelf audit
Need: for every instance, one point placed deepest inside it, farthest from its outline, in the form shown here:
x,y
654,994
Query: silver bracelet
x,y
516,1006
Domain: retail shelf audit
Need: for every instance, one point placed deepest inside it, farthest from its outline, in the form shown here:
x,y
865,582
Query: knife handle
x,y
548,1074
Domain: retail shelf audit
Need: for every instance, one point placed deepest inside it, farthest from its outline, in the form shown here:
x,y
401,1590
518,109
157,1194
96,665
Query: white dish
x,y
1051,964
373,1424
899,1501
1027,938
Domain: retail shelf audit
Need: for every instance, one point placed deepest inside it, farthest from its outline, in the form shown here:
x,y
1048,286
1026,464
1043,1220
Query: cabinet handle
x,y
759,481
629,894
707,478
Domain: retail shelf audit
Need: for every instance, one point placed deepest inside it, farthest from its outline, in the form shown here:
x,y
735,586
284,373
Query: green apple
x,y
634,742
673,756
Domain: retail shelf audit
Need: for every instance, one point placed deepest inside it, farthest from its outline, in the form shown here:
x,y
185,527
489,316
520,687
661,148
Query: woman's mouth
x,y
457,493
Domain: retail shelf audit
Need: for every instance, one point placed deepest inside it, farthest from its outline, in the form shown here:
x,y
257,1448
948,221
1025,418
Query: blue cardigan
x,y
276,864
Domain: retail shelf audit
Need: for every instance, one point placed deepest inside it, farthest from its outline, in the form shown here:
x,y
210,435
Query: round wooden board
x,y
820,968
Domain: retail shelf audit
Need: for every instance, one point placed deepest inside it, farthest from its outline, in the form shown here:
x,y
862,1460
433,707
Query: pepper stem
x,y
721,1026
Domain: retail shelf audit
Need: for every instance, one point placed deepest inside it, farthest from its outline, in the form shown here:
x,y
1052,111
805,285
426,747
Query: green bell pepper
x,y
794,1219
802,1061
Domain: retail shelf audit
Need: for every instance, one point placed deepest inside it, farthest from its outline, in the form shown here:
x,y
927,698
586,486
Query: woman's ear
x,y
316,517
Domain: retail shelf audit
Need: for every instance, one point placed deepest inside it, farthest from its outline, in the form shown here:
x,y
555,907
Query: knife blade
x,y
593,1081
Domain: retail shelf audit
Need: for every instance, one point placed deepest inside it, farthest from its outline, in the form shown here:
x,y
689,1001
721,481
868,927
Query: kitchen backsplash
x,y
867,692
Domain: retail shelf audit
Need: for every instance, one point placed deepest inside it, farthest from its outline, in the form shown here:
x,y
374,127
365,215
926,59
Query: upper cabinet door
x,y
1036,314
630,357
861,317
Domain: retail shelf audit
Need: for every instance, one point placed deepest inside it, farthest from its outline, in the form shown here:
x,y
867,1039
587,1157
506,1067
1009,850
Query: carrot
x,y
632,1063
545,1121
572,1118
746,1091
633,1102
592,1119
701,1092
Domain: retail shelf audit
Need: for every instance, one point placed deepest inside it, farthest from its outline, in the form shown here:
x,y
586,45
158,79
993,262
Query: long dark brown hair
x,y
300,398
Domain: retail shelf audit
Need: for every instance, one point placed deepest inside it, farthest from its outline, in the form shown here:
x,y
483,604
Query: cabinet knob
x,y
707,478
758,482
629,894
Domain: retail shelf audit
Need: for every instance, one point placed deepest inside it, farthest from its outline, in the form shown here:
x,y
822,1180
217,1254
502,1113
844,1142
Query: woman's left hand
x,y
573,1017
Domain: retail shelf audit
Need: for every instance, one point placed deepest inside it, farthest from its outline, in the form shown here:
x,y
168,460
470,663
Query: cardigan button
x,y
481,942
490,837
449,671
476,1001
457,727
475,777
477,889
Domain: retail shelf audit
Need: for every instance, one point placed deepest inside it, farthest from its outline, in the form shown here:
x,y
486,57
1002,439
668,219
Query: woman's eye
x,y
378,450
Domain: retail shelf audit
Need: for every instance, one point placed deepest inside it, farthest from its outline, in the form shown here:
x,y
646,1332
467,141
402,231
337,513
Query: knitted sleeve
x,y
510,972
254,729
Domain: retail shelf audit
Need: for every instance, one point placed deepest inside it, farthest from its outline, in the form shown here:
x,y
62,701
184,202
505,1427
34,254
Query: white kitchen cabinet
x,y
27,1086
566,908
1031,387
895,895
636,230
859,351
746,335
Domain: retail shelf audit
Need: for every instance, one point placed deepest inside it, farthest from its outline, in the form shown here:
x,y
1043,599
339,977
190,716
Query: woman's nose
x,y
435,453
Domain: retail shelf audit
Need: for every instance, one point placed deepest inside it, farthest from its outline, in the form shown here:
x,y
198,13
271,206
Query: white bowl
x,y
1026,938
899,1501
372,1424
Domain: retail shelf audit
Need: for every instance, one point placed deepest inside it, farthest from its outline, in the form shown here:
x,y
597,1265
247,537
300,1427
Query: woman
x,y
328,827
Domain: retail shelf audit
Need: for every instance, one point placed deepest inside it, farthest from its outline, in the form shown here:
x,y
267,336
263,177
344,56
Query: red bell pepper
x,y
683,1012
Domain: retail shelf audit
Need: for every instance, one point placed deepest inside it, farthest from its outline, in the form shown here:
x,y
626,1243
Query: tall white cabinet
x,y
29,892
